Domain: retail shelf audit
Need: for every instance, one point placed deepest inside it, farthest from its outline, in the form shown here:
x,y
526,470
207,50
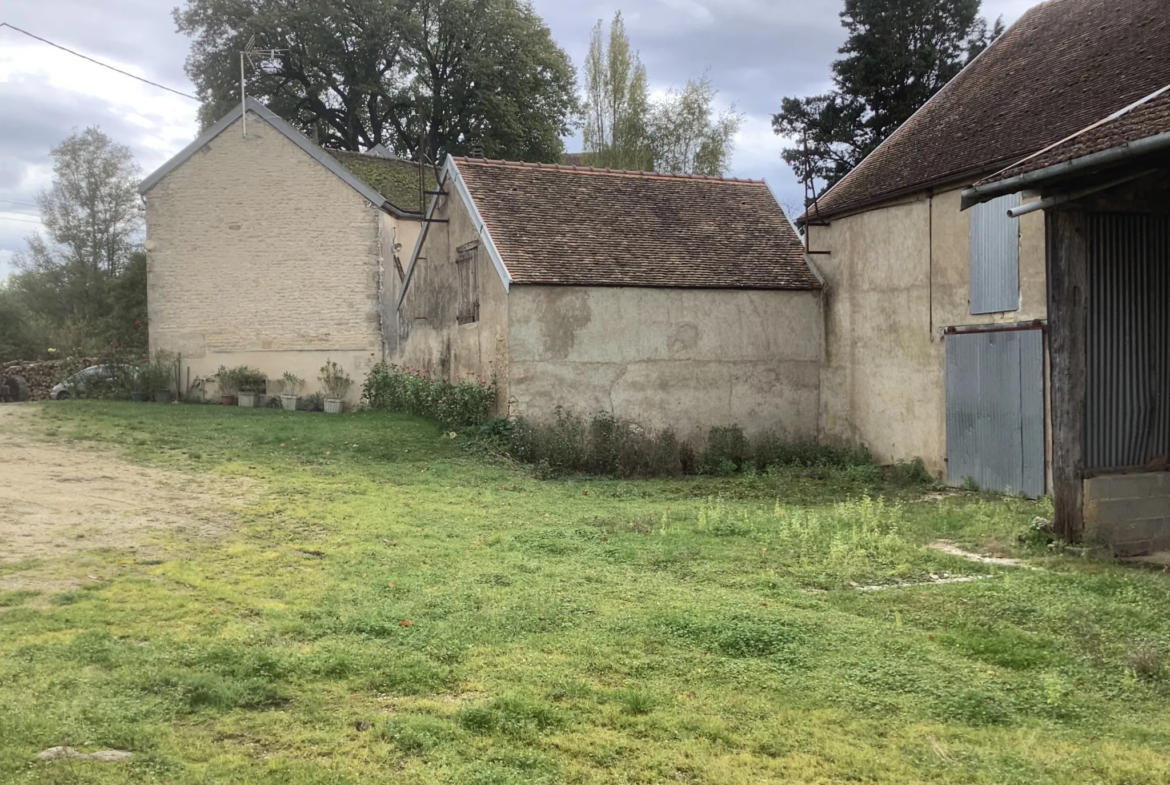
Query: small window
x,y
995,256
467,272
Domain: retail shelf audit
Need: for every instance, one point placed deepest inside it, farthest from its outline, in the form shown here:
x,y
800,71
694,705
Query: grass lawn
x,y
392,607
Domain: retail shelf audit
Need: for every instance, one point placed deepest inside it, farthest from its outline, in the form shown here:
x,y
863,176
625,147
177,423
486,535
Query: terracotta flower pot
x,y
227,400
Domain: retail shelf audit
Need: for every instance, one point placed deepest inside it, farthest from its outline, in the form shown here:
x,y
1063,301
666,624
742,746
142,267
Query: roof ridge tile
x,y
599,170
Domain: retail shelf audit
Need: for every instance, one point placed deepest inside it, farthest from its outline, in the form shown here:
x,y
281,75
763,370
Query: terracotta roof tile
x,y
596,227
1064,64
1149,119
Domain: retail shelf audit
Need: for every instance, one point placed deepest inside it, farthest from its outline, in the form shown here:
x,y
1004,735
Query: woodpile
x,y
32,381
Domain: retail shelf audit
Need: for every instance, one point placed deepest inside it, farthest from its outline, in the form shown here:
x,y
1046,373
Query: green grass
x,y
578,631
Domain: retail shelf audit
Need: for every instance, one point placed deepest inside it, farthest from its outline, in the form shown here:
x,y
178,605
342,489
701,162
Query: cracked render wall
x,y
689,359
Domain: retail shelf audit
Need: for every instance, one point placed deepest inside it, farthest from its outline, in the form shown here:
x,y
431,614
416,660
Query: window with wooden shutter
x,y
467,272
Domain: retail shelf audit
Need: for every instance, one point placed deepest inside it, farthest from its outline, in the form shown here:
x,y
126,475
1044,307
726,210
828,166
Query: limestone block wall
x,y
259,255
1129,512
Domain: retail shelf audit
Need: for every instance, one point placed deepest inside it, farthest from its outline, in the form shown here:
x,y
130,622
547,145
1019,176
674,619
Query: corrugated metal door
x,y
995,410
1128,380
995,256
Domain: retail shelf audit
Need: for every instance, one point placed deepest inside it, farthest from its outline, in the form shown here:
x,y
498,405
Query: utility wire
x,y
21,220
98,62
14,201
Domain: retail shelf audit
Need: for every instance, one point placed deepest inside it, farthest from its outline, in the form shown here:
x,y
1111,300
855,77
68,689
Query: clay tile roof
x,y
596,227
1149,118
1063,65
395,179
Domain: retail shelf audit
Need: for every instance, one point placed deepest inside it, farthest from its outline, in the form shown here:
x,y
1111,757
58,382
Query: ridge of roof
x,y
1062,64
601,171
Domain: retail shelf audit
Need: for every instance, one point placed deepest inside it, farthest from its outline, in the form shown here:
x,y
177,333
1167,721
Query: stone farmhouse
x,y
264,249
668,300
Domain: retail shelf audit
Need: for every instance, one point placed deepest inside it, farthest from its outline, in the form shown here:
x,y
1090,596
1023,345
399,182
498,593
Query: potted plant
x,y
227,379
336,383
252,385
292,388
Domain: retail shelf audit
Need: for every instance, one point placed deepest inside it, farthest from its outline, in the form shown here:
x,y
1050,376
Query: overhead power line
x,y
14,201
98,62
21,220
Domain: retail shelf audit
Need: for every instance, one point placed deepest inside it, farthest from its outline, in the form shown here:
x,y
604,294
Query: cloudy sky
x,y
755,51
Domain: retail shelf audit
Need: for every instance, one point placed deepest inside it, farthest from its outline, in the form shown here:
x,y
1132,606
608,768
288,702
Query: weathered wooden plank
x,y
1067,263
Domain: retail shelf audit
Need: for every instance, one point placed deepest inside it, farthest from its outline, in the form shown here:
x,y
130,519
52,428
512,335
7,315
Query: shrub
x,y
228,380
727,450
334,380
459,404
251,380
293,384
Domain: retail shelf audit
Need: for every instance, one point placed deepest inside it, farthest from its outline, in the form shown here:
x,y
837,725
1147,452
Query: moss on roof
x,y
394,178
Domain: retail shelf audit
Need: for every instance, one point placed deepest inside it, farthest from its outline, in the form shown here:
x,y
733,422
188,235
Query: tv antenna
x,y
249,52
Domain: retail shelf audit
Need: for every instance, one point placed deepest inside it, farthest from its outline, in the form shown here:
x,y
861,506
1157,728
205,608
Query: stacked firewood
x,y
32,381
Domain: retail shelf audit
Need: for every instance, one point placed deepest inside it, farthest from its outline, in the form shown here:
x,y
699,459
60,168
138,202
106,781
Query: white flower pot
x,y
289,402
248,399
333,405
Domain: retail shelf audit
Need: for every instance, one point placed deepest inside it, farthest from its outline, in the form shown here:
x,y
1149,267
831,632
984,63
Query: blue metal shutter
x,y
995,410
995,256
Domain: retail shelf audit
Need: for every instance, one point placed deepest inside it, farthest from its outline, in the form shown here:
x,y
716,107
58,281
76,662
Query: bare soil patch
x,y
62,499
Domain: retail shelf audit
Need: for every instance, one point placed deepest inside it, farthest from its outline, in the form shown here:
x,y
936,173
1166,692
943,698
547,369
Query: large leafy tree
x,y
897,55
453,74
623,129
93,221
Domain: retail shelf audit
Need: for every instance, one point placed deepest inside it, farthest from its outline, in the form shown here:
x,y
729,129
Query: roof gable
x,y
315,151
594,227
1064,64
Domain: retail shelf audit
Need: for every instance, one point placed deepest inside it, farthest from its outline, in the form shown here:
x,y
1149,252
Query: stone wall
x,y
1130,513
259,255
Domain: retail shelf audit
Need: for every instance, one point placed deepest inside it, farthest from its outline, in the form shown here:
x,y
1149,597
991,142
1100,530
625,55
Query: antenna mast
x,y
249,53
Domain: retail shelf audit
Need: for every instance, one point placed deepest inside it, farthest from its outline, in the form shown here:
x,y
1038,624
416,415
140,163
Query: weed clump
x,y
607,446
460,403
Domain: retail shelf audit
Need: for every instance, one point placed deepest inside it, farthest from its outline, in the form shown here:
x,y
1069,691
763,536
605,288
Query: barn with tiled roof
x,y
677,302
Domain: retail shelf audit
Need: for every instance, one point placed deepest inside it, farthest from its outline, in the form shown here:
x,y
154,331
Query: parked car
x,y
100,374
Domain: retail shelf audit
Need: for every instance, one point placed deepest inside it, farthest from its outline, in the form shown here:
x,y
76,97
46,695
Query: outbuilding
x,y
668,301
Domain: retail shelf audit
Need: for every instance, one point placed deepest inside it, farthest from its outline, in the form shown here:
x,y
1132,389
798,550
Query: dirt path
x,y
61,499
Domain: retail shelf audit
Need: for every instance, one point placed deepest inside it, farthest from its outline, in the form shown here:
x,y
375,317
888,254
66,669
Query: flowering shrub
x,y
458,404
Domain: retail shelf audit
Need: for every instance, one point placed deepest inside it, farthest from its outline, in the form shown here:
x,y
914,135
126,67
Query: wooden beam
x,y
1067,262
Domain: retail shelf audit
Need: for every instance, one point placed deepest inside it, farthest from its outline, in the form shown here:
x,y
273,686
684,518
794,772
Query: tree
x,y
623,129
897,55
458,74
93,220
684,137
616,133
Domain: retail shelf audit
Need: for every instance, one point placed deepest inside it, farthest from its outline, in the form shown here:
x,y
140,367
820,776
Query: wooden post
x,y
1067,262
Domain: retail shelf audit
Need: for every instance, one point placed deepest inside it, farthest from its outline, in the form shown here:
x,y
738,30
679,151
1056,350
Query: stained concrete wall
x,y
896,277
258,255
1130,513
684,358
430,336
